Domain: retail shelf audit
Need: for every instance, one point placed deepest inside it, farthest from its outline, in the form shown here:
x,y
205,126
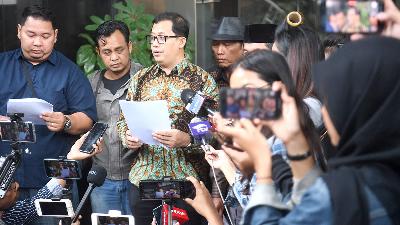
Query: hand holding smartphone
x,y
95,134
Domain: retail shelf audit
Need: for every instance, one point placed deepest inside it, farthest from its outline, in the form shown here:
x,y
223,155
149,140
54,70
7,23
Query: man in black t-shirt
x,y
110,86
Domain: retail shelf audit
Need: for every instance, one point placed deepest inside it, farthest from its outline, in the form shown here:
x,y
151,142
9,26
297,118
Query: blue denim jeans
x,y
112,195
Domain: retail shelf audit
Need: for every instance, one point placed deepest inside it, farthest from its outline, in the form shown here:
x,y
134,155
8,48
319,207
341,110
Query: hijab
x,y
360,87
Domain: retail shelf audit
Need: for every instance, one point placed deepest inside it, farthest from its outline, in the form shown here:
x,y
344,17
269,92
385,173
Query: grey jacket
x,y
115,158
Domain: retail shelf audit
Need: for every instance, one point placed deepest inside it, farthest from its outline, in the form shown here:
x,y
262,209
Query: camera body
x,y
250,103
351,16
62,168
166,189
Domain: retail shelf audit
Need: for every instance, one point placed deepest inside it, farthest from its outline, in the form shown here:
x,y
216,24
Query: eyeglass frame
x,y
151,38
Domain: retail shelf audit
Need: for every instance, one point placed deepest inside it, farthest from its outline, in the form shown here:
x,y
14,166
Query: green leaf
x,y
87,37
121,7
91,27
107,17
97,20
84,54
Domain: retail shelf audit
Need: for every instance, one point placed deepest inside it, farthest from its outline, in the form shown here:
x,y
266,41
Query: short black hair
x,y
180,26
37,12
109,27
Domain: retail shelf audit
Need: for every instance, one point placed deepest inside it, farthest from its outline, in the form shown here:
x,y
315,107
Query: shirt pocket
x,y
59,102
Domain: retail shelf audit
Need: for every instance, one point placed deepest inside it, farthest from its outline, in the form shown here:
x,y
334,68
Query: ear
x,y
97,50
19,27
55,35
182,42
130,46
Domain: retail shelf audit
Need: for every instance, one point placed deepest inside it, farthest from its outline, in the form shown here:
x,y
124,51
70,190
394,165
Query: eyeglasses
x,y
161,39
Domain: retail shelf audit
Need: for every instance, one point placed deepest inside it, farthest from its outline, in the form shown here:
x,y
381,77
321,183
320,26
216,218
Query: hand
x,y
54,120
203,203
391,17
217,158
240,159
250,139
287,126
219,205
173,138
75,154
133,142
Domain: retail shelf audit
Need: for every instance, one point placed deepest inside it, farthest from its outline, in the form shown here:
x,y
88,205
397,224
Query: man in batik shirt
x,y
165,81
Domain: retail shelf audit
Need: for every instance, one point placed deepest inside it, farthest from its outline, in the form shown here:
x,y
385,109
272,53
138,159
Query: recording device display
x,y
95,134
102,219
263,104
62,168
351,16
169,189
54,208
25,131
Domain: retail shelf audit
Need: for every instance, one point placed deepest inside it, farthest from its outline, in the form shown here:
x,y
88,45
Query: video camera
x,y
16,131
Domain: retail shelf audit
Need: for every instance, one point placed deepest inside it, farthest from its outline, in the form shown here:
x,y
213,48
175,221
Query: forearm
x,y
229,171
214,219
80,123
298,146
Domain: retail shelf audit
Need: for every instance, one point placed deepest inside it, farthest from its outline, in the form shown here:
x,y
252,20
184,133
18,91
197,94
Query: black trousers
x,y
142,210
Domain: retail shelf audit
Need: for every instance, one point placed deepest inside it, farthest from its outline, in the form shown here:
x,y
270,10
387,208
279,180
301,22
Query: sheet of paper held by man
x,y
32,108
145,118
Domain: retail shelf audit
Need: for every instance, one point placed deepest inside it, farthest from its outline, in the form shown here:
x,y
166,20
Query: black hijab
x,y
360,87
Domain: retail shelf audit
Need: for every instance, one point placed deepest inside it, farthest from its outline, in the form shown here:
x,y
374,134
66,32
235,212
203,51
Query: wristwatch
x,y
67,124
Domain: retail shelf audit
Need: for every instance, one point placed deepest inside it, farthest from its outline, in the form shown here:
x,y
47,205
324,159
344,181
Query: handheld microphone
x,y
200,130
174,215
95,178
196,103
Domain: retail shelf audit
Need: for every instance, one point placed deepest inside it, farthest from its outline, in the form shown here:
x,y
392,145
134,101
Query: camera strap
x,y
28,78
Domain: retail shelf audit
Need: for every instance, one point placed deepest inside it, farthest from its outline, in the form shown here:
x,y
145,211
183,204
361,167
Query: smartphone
x,y
171,189
62,168
95,134
351,16
54,208
100,219
20,132
250,103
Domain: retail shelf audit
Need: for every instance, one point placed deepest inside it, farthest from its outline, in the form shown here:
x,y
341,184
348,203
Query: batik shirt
x,y
152,83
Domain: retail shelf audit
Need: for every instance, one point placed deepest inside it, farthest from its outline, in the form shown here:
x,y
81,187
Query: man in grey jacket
x,y
110,86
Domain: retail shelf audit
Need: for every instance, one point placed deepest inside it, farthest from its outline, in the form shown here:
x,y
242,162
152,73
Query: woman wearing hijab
x,y
360,89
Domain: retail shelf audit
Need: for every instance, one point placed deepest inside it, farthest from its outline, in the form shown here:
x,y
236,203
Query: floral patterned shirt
x,y
152,83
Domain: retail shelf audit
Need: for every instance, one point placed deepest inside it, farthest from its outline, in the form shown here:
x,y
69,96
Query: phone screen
x,y
350,16
249,103
25,132
53,208
62,169
95,134
158,190
112,220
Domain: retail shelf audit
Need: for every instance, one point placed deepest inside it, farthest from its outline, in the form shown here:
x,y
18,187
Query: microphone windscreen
x,y
97,175
187,95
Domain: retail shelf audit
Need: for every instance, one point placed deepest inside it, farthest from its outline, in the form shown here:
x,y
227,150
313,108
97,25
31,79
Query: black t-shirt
x,y
114,85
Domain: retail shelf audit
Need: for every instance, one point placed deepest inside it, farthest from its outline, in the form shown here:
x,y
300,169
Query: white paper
x,y
145,118
32,108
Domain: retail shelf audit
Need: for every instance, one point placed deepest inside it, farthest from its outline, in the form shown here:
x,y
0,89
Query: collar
x,y
51,59
178,67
